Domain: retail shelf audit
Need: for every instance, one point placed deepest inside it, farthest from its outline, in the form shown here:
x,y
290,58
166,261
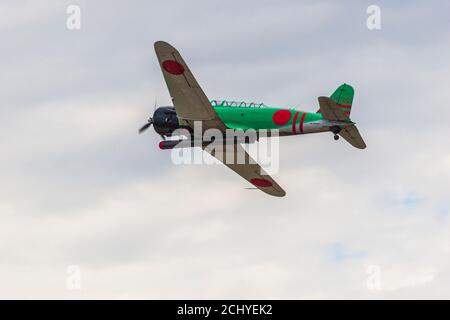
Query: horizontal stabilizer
x,y
331,111
351,134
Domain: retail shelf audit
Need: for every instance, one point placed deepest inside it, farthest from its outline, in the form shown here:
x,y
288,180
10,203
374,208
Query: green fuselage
x,y
244,116
288,121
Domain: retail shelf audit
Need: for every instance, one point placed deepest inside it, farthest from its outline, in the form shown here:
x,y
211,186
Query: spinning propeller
x,y
149,121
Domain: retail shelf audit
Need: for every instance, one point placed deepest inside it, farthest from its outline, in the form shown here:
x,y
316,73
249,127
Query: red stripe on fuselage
x,y
344,106
294,122
302,119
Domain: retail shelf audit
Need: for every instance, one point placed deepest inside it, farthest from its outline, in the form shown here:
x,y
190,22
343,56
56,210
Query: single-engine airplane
x,y
190,104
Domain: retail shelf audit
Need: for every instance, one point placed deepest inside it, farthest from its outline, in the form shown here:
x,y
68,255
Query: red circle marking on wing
x,y
261,182
173,67
281,117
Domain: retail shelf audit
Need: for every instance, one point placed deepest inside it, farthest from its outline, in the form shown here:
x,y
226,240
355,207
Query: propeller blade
x,y
150,120
145,127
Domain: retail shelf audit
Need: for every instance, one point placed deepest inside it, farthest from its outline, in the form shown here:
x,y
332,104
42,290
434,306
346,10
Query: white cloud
x,y
80,187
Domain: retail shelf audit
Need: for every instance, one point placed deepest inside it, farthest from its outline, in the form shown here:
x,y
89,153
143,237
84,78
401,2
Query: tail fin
x,y
343,96
338,108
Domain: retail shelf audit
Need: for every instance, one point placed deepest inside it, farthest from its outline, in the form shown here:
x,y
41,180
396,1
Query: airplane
x,y
190,104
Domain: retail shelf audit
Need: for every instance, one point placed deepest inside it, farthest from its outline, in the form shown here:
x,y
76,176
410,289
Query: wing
x,y
249,170
190,102
331,111
351,134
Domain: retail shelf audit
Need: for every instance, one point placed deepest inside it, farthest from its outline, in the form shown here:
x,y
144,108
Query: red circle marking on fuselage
x,y
281,117
261,182
173,67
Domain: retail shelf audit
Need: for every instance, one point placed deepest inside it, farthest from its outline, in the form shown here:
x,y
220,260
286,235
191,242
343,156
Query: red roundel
x,y
261,182
281,117
173,67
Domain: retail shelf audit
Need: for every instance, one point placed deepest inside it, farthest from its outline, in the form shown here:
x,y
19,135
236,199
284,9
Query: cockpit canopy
x,y
236,104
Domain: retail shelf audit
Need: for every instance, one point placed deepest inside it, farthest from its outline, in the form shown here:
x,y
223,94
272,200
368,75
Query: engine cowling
x,y
165,121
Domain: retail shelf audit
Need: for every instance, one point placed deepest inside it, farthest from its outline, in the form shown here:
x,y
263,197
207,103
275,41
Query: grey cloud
x,y
79,186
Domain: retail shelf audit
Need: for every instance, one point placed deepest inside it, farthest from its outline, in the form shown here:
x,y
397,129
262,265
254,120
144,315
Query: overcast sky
x,y
79,186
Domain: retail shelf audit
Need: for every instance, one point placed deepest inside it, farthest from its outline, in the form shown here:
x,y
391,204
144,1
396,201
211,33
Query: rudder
x,y
343,97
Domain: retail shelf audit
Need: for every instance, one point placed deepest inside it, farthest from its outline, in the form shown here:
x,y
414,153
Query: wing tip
x,y
279,193
163,45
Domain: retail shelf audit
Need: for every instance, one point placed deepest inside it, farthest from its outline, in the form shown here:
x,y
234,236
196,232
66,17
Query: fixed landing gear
x,y
335,130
